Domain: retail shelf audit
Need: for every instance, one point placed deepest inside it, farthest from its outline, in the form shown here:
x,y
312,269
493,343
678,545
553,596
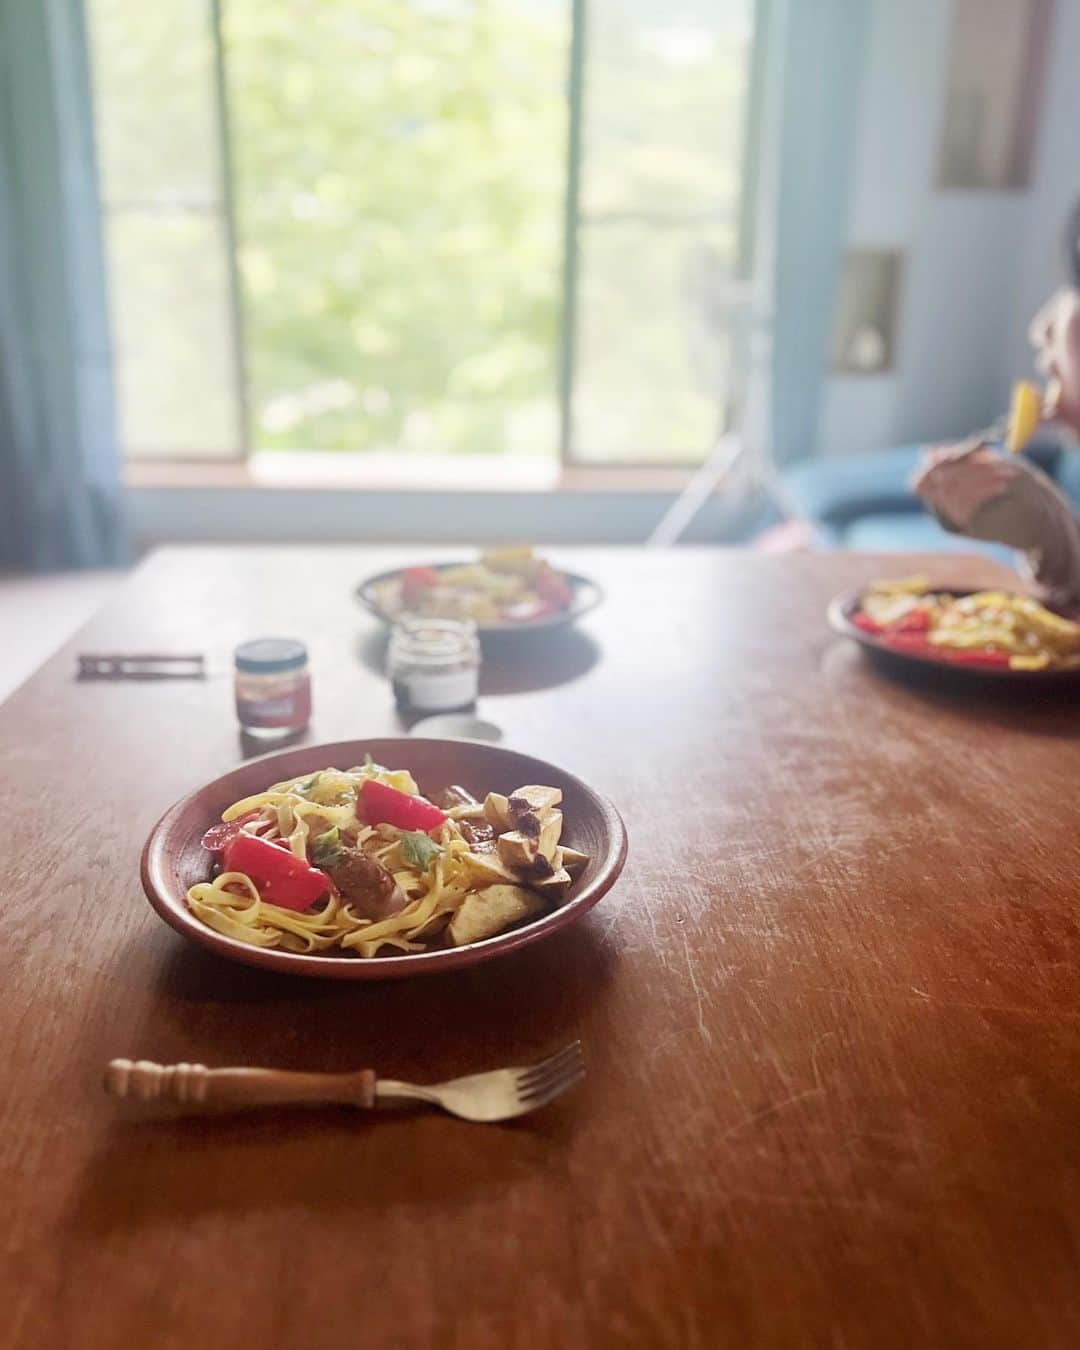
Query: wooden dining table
x,y
831,1011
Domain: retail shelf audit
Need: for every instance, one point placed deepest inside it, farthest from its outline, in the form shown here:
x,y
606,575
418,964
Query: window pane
x,y
399,179
652,372
161,182
399,187
666,87
174,340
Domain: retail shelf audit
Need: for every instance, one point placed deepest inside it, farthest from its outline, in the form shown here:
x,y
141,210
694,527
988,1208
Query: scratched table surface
x,y
831,1010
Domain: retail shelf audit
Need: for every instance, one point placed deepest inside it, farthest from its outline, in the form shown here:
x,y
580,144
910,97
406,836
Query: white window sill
x,y
329,471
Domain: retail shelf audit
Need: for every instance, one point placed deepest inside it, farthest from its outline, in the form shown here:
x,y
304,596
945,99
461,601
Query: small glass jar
x,y
273,687
434,664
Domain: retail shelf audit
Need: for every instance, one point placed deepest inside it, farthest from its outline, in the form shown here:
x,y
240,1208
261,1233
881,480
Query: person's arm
x,y
973,491
1010,502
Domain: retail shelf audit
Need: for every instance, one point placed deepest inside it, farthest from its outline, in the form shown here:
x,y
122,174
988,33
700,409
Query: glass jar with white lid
x,y
434,664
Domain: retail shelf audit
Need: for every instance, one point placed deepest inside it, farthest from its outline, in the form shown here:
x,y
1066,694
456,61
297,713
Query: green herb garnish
x,y
308,783
418,849
327,849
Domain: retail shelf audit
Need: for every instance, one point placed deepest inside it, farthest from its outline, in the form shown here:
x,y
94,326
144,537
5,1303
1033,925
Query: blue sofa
x,y
863,501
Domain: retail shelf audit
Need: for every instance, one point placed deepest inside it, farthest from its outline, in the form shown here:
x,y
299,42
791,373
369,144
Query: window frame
x,y
241,386
569,462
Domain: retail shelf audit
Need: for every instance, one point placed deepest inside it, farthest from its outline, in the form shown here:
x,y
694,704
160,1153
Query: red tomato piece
x,y
382,805
916,643
280,877
552,587
416,580
916,621
978,658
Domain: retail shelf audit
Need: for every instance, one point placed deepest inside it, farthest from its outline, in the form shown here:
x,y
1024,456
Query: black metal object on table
x,y
141,666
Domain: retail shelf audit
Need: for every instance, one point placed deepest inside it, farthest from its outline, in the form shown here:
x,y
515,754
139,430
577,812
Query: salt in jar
x,y
434,664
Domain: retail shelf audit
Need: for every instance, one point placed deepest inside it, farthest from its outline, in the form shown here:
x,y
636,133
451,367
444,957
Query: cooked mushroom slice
x,y
479,835
534,798
550,831
487,868
540,868
528,824
553,886
517,849
572,859
497,811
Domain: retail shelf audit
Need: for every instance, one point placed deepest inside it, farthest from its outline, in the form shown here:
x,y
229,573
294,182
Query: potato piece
x,y
550,831
571,859
518,559
1025,414
517,849
487,912
486,868
553,886
540,797
497,811
533,797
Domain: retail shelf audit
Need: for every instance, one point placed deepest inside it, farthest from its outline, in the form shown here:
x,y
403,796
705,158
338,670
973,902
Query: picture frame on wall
x,y
998,59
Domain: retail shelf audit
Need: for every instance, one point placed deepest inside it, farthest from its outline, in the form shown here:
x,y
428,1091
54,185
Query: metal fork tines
x,y
141,666
500,1094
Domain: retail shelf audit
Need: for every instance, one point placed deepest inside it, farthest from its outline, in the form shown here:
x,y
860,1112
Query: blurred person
x,y
976,491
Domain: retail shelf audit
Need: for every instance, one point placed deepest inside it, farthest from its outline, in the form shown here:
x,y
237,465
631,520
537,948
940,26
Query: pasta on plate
x,y
985,628
504,586
357,862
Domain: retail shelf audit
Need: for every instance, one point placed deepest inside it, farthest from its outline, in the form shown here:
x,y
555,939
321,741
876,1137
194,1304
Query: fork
x,y
500,1094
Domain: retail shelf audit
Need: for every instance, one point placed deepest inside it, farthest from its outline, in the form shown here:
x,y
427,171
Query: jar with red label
x,y
273,687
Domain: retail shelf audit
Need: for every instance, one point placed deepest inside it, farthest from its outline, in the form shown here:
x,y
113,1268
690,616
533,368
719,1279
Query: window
x,y
475,227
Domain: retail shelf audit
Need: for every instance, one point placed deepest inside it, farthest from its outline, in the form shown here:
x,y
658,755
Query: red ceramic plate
x,y
586,596
843,608
173,860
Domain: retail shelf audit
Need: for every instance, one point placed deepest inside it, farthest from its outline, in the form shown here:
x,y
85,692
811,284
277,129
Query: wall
x,y
977,263
253,514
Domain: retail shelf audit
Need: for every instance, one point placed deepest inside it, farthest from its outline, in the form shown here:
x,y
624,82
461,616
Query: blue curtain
x,y
60,492
820,49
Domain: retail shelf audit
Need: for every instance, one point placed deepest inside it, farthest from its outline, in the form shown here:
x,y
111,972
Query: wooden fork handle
x,y
195,1086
